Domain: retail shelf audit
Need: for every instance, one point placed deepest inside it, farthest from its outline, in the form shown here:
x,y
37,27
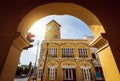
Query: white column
x,y
84,72
89,74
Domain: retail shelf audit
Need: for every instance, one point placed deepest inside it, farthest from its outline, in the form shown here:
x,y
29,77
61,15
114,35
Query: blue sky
x,y
71,28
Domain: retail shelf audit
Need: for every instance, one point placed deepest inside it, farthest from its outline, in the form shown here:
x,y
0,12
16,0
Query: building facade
x,y
67,59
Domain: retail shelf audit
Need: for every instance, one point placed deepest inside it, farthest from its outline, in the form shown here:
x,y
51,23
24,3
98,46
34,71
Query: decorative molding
x,y
20,42
100,43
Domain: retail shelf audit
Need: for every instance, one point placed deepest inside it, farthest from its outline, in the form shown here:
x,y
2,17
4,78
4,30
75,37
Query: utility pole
x,y
45,62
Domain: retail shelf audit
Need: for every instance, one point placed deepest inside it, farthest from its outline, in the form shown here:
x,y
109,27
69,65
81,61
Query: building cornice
x,y
100,43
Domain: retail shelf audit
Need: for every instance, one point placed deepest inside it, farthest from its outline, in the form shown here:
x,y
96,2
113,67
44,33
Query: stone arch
x,y
53,45
68,63
56,9
66,45
85,63
82,45
67,8
41,64
52,63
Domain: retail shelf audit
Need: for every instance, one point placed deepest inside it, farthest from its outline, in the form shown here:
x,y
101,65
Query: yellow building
x,y
67,59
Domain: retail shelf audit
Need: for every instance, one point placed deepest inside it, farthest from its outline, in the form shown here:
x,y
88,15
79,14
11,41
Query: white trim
x,y
85,67
68,66
52,72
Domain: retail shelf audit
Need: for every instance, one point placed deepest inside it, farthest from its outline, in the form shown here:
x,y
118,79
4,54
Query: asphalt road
x,y
21,79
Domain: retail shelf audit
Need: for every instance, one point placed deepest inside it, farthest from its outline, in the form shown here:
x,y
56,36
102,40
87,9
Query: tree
x,y
19,71
26,70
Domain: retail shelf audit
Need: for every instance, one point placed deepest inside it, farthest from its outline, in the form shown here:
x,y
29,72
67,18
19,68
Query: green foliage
x,y
26,70
22,70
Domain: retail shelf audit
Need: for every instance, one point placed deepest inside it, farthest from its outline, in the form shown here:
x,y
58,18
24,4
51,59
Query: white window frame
x,y
67,52
69,71
40,72
86,73
42,51
83,52
53,52
52,72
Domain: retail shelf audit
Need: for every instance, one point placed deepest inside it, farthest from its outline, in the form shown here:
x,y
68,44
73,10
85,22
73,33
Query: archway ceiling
x,y
56,9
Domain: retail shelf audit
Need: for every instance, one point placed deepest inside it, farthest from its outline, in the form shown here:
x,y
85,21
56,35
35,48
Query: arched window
x,y
56,36
82,52
52,73
67,52
69,73
53,52
40,73
42,51
86,73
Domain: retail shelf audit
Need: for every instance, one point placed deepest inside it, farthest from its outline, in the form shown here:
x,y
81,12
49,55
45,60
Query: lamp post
x,y
36,69
37,53
45,62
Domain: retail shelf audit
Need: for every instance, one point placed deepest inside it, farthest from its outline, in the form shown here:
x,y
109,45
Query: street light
x,y
36,54
35,67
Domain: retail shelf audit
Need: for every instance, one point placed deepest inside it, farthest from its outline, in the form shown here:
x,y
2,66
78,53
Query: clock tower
x,y
52,31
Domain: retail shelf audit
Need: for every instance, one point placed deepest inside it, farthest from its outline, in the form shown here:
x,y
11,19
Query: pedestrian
x,y
30,78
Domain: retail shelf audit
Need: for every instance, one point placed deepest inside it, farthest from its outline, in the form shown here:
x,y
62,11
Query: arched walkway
x,y
78,11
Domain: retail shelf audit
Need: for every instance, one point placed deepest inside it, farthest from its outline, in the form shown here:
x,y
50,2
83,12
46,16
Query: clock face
x,y
56,28
49,27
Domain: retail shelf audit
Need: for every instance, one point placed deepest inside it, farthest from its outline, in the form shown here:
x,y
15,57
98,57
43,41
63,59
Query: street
x,y
21,79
